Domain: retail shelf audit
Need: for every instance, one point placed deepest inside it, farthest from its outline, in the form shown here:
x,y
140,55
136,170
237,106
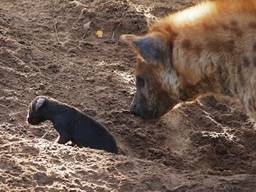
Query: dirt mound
x,y
52,48
40,165
215,132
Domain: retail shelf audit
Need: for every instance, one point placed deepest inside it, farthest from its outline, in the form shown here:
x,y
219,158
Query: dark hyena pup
x,y
71,124
210,47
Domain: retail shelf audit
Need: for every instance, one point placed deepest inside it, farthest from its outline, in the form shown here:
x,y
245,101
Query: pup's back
x,y
88,132
84,130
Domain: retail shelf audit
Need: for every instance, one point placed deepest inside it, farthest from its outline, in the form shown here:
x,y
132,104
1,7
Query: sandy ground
x,y
50,48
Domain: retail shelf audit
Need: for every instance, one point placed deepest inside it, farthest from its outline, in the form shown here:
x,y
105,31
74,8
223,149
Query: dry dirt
x,y
50,48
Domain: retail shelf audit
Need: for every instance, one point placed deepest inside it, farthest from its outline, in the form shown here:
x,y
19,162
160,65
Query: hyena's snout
x,y
144,107
139,108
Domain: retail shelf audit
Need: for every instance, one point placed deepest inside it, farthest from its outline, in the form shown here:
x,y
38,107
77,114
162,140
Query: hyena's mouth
x,y
156,112
145,113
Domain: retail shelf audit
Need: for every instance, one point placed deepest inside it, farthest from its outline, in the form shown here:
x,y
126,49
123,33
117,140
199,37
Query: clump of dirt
x,y
51,48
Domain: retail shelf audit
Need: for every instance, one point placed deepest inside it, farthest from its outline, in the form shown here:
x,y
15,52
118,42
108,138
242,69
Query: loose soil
x,y
51,48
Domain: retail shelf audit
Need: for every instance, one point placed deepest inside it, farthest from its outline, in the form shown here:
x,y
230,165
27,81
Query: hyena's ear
x,y
151,47
39,103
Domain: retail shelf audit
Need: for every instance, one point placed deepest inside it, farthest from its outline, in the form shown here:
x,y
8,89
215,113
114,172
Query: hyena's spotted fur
x,y
210,47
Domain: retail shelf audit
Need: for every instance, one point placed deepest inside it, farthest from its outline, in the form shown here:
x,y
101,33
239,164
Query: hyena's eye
x,y
140,82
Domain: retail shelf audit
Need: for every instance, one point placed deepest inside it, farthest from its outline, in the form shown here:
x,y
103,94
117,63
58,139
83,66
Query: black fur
x,y
71,124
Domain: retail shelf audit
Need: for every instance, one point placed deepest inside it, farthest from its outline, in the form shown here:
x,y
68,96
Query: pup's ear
x,y
150,47
39,103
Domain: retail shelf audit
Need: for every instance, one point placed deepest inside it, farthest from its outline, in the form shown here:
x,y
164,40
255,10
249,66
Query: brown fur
x,y
213,49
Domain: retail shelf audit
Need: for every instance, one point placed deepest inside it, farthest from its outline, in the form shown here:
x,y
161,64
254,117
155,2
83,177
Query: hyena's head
x,y
36,110
156,81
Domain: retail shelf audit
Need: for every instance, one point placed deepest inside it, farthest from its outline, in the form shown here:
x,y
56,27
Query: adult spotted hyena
x,y
210,47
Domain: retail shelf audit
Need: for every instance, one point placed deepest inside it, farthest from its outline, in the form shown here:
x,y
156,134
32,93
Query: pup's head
x,y
35,112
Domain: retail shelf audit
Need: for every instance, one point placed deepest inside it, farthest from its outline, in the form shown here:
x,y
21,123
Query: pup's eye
x,y
140,82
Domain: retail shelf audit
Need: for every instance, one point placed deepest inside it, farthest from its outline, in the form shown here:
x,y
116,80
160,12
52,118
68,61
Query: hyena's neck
x,y
205,86
217,75
179,87
227,73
